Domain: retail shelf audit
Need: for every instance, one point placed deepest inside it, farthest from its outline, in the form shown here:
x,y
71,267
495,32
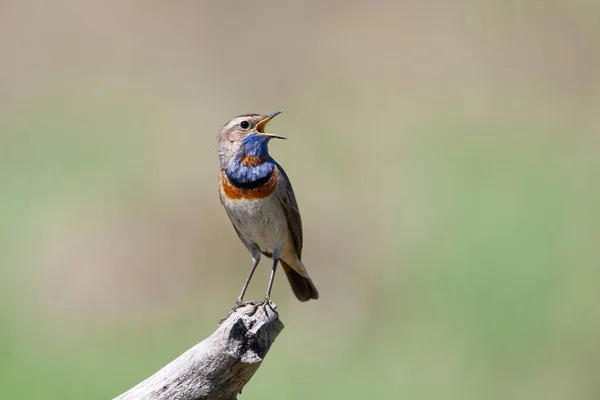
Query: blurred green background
x,y
445,157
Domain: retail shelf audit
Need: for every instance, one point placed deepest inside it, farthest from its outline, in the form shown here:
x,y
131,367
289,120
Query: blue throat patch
x,y
251,177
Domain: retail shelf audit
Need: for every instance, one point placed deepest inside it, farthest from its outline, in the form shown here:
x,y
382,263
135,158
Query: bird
x,y
259,200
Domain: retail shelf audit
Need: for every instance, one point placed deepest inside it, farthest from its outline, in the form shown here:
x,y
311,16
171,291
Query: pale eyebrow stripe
x,y
233,122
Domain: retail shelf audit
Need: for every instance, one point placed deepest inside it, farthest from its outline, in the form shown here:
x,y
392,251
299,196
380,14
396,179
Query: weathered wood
x,y
219,366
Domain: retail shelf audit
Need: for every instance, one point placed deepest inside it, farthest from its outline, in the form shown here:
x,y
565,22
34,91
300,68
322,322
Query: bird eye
x,y
244,124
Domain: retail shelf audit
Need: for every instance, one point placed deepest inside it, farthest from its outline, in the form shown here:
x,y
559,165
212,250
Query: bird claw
x,y
219,322
268,303
239,304
246,303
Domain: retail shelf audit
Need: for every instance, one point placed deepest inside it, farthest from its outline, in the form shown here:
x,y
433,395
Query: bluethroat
x,y
260,202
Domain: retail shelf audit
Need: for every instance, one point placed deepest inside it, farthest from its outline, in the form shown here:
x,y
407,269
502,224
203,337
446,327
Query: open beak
x,y
260,127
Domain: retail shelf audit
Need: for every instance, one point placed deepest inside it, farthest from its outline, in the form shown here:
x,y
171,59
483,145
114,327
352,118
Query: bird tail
x,y
303,287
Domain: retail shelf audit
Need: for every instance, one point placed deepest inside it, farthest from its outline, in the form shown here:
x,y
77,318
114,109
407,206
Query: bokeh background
x,y
445,156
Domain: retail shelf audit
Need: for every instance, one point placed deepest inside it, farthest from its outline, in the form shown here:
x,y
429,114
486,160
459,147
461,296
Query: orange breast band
x,y
235,193
253,161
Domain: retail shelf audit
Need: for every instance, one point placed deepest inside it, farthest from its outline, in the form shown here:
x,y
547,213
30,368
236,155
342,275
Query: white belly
x,y
262,222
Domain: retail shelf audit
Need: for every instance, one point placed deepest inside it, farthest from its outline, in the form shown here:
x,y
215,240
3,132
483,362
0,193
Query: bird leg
x,y
272,278
255,261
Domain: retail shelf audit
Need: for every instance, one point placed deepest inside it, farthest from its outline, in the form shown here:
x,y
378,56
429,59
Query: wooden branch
x,y
219,366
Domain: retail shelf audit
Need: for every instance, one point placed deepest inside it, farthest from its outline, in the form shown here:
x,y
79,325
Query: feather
x,y
286,196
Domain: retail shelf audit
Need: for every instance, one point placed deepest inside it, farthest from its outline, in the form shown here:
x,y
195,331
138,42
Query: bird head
x,y
245,135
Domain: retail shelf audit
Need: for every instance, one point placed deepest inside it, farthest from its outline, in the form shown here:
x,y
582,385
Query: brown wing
x,y
290,208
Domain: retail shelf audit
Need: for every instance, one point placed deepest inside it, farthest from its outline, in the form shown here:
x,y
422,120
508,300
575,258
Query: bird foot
x,y
268,303
239,304
255,306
